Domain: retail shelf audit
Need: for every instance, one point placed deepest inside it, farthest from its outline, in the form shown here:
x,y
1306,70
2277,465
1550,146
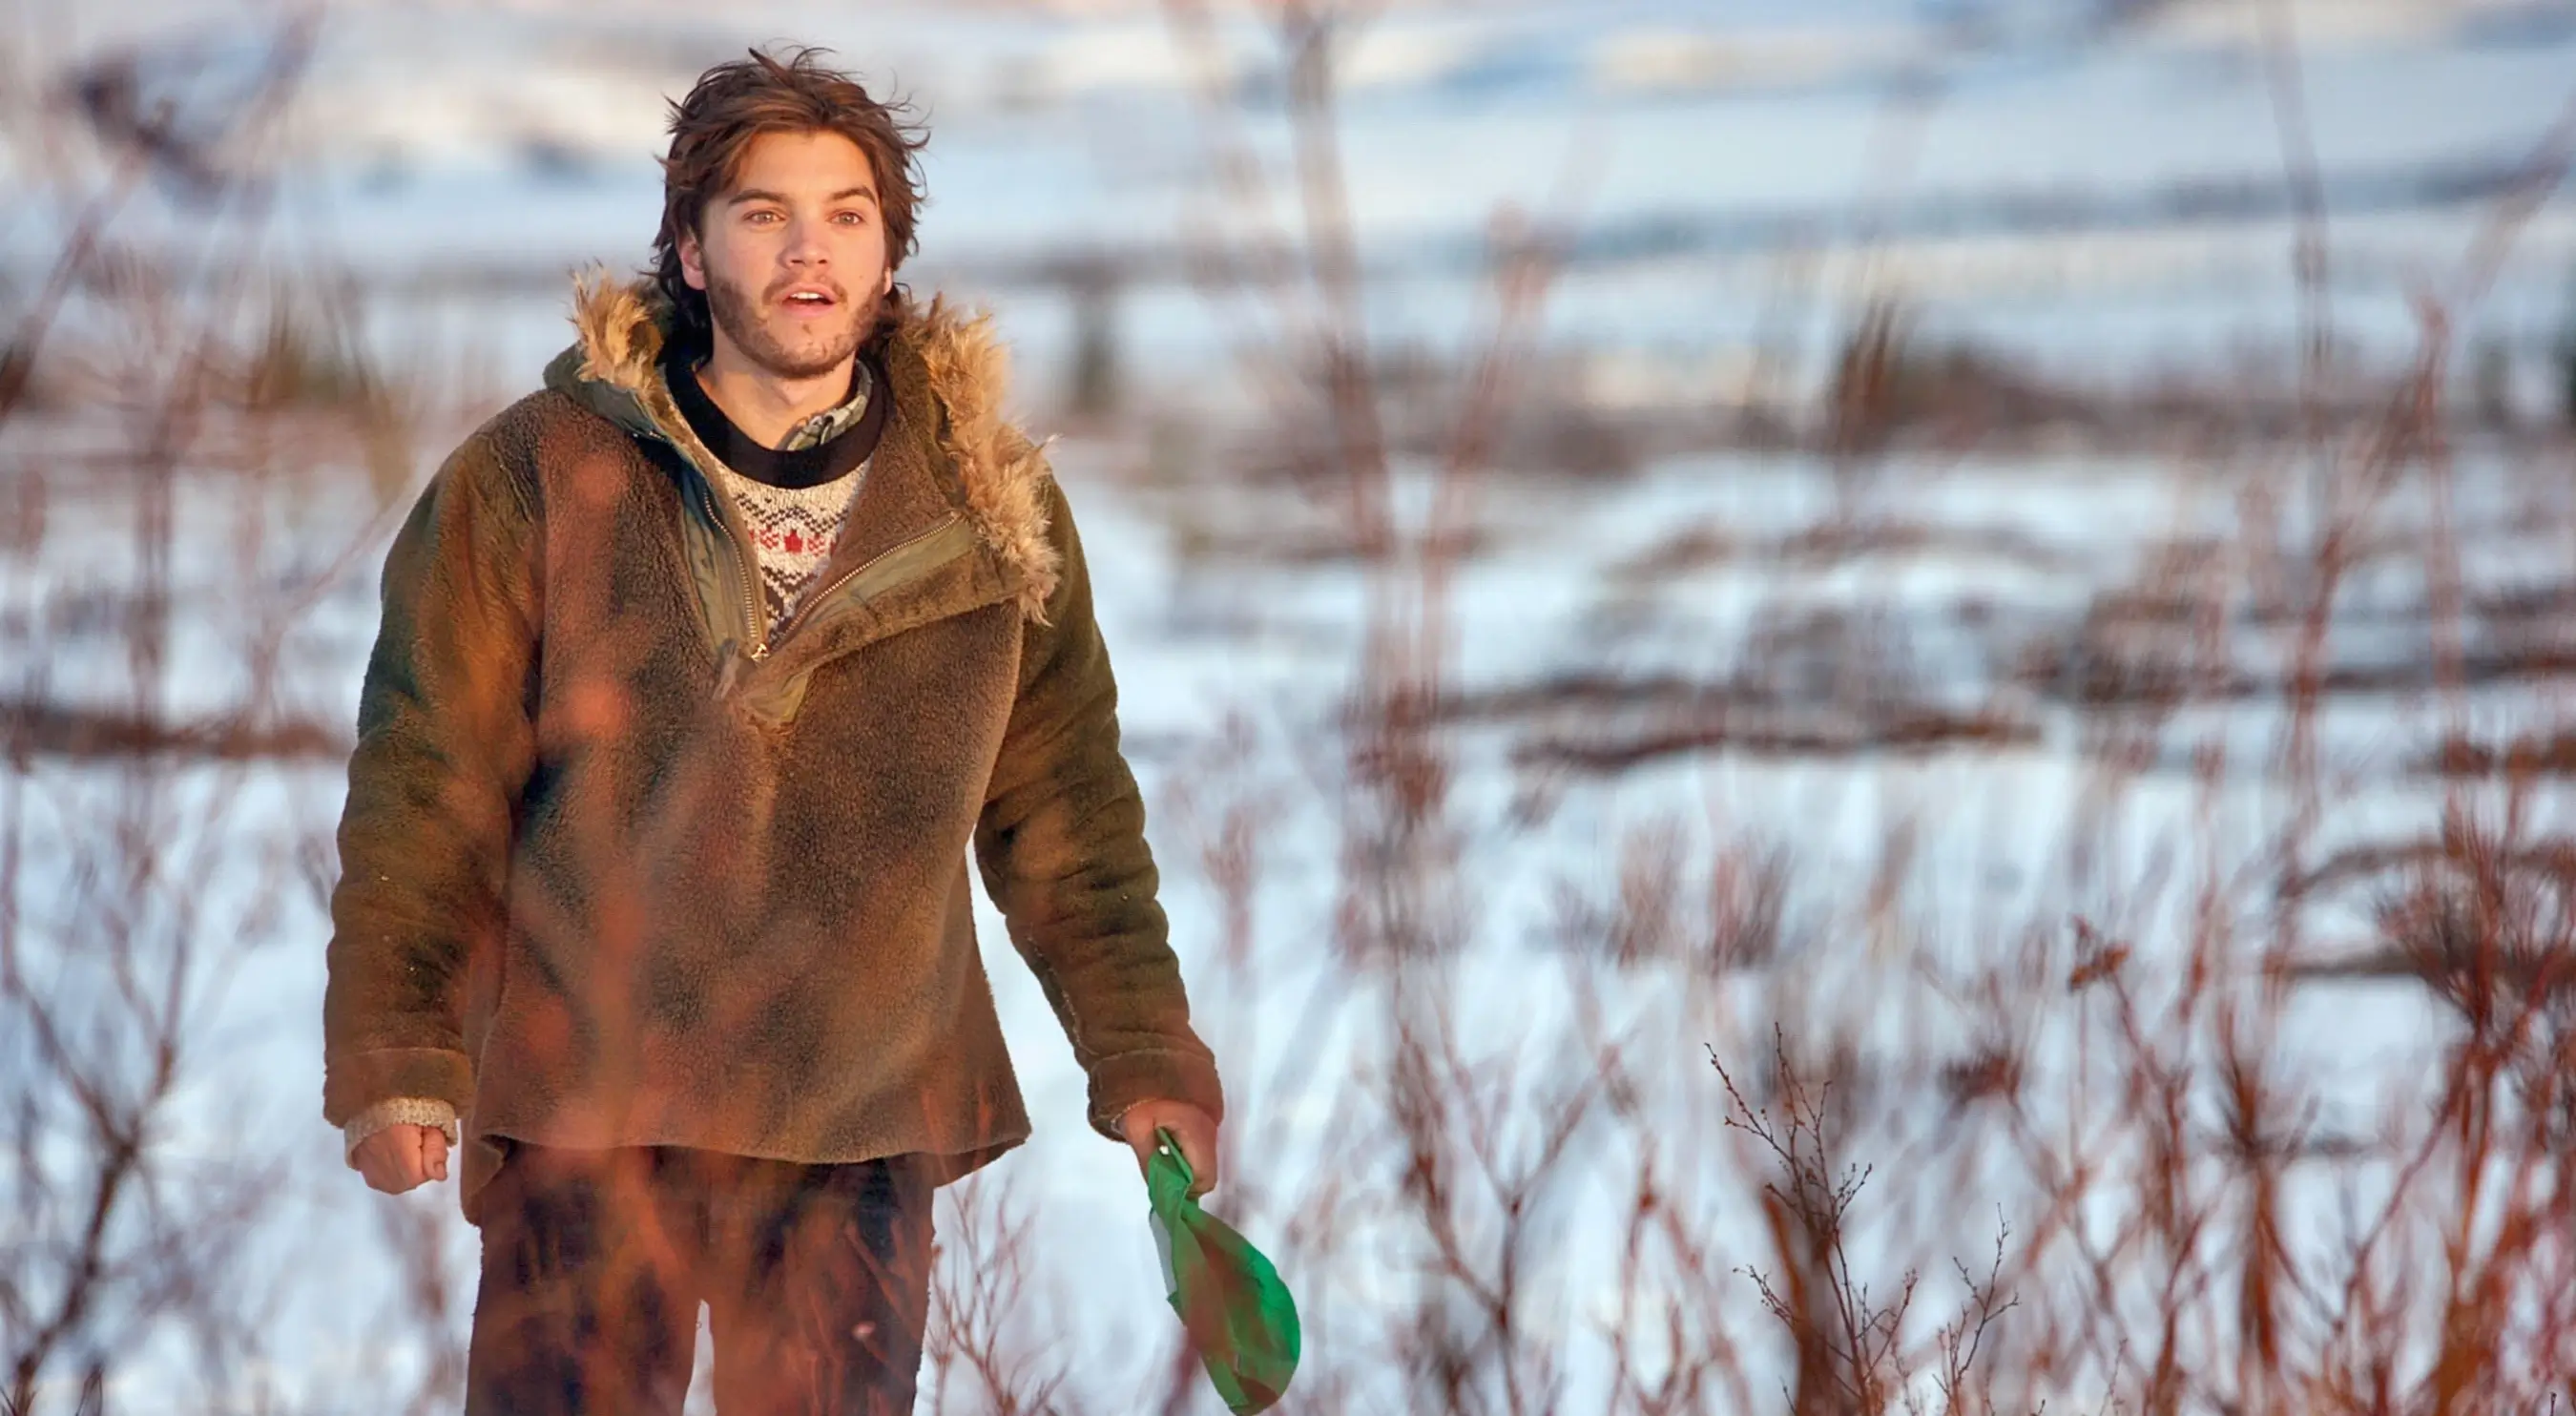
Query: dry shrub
x,y
2087,1150
189,457
2064,1153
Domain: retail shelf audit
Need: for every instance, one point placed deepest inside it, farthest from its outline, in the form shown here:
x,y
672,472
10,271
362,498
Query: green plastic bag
x,y
1233,1306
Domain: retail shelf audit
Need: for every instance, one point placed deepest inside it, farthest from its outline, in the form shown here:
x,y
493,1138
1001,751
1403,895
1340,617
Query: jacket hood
x,y
614,370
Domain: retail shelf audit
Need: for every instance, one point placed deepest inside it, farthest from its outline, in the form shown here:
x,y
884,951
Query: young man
x,y
702,673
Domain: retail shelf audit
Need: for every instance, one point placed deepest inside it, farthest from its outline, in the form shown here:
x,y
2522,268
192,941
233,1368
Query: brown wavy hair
x,y
711,134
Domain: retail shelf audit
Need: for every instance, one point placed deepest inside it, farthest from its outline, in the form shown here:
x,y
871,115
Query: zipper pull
x,y
737,666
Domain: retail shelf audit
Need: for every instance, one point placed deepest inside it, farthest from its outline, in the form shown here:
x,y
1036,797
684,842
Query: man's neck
x,y
764,406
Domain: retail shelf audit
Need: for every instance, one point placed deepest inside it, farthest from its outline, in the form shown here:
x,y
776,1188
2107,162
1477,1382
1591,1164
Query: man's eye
x,y
761,217
851,218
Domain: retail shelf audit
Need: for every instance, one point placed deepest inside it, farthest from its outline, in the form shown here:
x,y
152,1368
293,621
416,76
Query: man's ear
x,y
693,260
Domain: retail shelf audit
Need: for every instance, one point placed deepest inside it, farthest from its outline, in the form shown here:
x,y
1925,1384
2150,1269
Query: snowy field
x,y
1233,678
513,143
448,146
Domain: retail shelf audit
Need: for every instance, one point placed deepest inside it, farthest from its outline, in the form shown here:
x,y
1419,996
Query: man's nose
x,y
805,245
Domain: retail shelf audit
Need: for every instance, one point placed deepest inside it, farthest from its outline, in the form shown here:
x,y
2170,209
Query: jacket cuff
x,y
353,1082
1121,1081
400,1111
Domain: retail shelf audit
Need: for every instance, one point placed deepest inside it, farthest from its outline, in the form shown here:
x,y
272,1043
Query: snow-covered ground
x,y
451,137
1269,649
442,141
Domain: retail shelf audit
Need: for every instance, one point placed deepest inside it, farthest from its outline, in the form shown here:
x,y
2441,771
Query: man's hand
x,y
402,1157
1193,1128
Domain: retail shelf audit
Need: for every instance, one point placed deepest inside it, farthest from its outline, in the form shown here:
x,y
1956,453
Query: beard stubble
x,y
737,312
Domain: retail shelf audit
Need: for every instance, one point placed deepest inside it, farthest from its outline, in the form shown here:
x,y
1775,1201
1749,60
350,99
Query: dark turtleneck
x,y
803,467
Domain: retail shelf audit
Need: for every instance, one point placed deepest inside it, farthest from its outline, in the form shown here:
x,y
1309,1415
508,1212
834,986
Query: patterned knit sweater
x,y
793,499
793,519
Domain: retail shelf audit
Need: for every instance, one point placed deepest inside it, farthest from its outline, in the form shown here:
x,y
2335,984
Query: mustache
x,y
778,290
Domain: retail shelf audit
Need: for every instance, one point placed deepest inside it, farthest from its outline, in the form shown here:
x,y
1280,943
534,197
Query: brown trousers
x,y
816,1278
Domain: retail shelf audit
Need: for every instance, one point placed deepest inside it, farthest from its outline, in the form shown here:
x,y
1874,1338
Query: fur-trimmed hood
x,y
614,369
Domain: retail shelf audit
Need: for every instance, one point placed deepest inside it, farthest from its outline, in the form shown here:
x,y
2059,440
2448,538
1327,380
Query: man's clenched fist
x,y
1193,1128
401,1157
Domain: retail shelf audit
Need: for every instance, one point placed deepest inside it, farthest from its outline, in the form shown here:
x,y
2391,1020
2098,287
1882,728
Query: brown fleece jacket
x,y
618,868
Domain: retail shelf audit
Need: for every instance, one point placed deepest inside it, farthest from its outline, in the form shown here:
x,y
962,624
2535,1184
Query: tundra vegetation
x,y
2215,1073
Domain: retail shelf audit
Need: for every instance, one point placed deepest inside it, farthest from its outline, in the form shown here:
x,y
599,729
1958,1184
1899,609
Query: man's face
x,y
793,257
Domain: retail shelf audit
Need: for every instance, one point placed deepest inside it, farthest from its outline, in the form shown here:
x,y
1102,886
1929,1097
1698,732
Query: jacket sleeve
x,y
1061,845
444,748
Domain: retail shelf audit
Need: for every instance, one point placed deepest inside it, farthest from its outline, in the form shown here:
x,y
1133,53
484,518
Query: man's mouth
x,y
808,300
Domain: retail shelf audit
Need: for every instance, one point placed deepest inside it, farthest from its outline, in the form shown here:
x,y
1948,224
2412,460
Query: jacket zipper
x,y
751,615
819,596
